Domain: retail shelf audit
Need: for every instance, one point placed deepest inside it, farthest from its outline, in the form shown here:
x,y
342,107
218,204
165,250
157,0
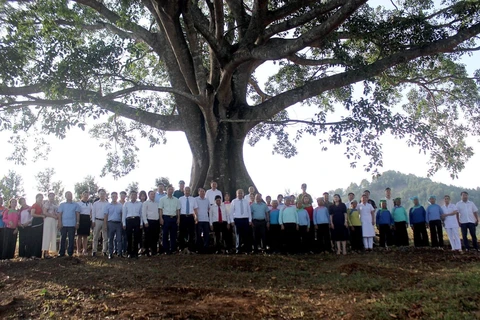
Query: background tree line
x,y
406,186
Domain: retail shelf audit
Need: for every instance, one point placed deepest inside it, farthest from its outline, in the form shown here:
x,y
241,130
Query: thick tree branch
x,y
304,18
137,88
114,18
276,48
281,101
312,62
256,25
264,96
238,11
288,9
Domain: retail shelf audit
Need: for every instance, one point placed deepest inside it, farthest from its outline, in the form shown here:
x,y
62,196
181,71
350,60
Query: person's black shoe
x,y
110,256
105,254
61,255
94,254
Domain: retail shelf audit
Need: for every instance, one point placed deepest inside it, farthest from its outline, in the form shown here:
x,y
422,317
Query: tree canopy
x,y
11,186
150,66
45,184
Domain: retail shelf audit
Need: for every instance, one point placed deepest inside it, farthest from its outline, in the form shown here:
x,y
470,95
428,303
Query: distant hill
x,y
406,186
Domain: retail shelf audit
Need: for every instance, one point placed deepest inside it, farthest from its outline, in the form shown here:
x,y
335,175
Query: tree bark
x,y
220,160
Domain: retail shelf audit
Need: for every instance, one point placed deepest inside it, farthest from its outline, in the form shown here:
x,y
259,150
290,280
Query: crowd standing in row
x,y
129,227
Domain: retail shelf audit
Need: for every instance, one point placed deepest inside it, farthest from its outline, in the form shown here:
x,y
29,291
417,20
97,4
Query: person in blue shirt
x,y
385,224
303,228
434,220
321,220
260,221
418,222
68,223
113,219
274,230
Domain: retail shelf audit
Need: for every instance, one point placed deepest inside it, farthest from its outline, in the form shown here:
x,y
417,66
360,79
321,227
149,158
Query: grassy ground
x,y
380,285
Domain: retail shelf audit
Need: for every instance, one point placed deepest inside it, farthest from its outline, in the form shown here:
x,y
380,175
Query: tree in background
x,y
407,186
88,184
132,186
164,180
148,67
45,184
11,186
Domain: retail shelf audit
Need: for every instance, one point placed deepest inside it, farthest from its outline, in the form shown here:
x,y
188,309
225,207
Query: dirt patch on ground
x,y
215,286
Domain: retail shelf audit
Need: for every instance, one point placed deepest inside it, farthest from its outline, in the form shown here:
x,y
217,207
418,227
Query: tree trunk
x,y
223,162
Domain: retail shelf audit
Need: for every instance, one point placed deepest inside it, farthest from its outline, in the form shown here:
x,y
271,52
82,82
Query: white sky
x,y
79,155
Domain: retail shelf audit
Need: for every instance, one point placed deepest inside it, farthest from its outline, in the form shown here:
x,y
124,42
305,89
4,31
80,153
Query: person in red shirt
x,y
36,236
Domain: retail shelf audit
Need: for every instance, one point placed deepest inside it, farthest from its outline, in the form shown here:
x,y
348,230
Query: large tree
x,y
152,66
45,184
11,186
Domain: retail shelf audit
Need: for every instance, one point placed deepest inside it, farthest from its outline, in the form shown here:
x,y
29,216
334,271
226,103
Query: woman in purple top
x,y
338,224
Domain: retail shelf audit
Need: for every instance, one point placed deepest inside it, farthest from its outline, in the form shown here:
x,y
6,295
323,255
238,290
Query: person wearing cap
x,y
221,223
355,225
450,220
389,199
385,224
303,194
418,222
367,217
434,220
181,190
468,216
212,193
400,219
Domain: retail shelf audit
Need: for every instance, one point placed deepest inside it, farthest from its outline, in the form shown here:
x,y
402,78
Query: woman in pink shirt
x,y
10,218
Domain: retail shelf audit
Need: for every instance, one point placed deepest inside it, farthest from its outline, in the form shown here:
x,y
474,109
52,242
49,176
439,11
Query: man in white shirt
x,y
98,225
242,217
220,223
203,221
351,197
151,221
468,217
450,220
212,193
132,222
188,214
388,198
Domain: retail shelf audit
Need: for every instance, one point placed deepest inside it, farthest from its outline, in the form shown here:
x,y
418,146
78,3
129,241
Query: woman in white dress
x,y
49,240
367,216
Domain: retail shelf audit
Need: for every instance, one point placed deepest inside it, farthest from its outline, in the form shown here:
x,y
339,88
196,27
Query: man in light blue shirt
x,y
160,193
68,222
261,222
113,219
303,228
434,220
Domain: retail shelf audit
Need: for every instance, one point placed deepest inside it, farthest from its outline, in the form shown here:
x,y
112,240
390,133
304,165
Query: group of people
x,y
150,223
